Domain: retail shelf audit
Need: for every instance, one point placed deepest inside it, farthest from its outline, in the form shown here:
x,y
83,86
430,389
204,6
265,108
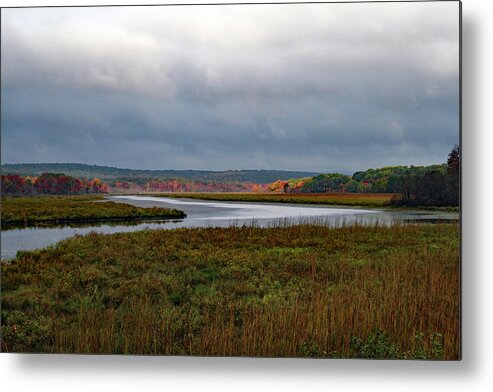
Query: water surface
x,y
205,213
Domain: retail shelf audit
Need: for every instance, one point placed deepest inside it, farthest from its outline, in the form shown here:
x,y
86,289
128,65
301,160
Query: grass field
x,y
56,209
295,291
349,199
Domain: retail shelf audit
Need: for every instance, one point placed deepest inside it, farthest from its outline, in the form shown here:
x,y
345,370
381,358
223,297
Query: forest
x,y
61,184
107,173
50,184
435,185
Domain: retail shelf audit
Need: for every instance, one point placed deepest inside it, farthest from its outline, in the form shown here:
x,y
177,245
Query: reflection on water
x,y
214,214
115,222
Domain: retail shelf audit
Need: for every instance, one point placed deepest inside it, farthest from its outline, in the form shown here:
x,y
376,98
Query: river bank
x,y
203,213
70,209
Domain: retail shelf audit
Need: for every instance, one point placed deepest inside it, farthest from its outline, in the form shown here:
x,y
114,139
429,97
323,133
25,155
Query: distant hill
x,y
106,173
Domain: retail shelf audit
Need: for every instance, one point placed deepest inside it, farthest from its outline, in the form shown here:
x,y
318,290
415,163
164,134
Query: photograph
x,y
232,180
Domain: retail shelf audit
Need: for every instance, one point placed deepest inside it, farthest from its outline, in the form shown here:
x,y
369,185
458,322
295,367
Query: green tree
x,y
453,176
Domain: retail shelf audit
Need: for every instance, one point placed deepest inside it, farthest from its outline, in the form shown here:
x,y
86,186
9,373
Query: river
x,y
202,213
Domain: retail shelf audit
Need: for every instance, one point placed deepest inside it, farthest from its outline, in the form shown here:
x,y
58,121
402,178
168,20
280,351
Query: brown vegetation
x,y
374,292
65,209
351,199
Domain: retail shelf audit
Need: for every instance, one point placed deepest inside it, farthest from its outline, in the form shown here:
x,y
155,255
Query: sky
x,y
313,87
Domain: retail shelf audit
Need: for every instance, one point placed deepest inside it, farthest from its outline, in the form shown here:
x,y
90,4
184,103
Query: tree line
x,y
50,184
432,187
61,184
435,185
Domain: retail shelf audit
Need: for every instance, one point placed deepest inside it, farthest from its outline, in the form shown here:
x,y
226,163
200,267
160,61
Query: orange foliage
x,y
279,186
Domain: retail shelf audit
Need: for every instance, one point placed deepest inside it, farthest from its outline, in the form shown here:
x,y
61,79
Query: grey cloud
x,y
321,87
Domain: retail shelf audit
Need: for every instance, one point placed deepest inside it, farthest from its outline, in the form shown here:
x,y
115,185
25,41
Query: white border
x,y
130,373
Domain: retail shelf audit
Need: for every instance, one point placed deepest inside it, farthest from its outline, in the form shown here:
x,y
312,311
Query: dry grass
x,y
64,209
282,292
351,199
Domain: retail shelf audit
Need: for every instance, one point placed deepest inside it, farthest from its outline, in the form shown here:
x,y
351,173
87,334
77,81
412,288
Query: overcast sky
x,y
320,87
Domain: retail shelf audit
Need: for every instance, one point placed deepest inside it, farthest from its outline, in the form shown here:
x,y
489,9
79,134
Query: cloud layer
x,y
318,87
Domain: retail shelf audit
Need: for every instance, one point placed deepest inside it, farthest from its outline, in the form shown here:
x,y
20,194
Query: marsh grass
x,y
348,199
291,291
65,209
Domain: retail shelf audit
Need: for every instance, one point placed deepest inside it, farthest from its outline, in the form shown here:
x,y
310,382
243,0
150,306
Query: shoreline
x,y
291,199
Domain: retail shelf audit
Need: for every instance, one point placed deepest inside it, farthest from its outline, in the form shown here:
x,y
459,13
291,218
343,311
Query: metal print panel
x,y
269,180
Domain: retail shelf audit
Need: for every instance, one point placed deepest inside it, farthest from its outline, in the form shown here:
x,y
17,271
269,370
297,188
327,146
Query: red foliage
x,y
50,184
15,184
183,185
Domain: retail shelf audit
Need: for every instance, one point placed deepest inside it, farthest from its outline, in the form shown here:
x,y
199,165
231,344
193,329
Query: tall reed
x,y
298,290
